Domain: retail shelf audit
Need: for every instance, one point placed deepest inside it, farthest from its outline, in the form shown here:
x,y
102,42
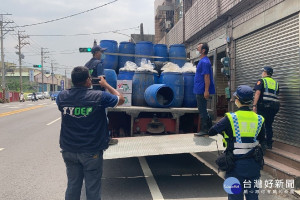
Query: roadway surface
x,y
31,167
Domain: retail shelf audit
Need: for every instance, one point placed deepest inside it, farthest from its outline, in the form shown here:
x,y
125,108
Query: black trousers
x,y
269,114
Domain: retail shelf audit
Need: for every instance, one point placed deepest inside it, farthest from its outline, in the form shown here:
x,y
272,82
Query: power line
x,y
83,34
53,20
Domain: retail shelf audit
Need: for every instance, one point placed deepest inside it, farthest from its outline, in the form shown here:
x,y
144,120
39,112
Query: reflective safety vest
x,y
245,127
271,88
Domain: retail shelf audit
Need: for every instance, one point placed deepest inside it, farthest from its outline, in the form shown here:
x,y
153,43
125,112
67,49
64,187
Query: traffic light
x,y
85,49
37,66
226,69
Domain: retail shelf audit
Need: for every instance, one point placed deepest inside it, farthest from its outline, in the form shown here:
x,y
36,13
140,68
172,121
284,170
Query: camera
x,y
95,81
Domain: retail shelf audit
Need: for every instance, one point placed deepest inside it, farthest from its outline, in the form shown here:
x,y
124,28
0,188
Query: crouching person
x,y
244,138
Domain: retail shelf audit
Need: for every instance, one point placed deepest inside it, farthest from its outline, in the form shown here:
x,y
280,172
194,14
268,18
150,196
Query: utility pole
x,y
52,74
3,29
20,45
42,63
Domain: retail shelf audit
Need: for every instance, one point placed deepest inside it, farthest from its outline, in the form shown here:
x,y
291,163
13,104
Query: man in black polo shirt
x,y
84,132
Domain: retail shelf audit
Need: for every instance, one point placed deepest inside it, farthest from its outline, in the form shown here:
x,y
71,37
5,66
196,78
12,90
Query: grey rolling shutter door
x,y
277,46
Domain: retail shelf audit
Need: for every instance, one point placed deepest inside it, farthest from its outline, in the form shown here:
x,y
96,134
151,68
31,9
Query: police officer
x,y
243,131
95,64
84,132
266,101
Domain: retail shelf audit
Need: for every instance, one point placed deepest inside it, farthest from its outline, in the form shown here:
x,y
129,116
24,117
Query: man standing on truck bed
x,y
203,86
95,64
96,69
84,132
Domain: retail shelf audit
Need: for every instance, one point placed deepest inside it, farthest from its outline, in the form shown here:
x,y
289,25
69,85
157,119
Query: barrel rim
x,y
188,73
142,72
161,45
171,73
125,42
160,85
114,41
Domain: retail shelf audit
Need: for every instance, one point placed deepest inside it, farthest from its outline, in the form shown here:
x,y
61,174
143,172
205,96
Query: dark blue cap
x,y
268,69
244,93
97,48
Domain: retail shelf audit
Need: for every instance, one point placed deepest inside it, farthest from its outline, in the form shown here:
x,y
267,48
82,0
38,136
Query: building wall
x,y
277,46
199,15
259,33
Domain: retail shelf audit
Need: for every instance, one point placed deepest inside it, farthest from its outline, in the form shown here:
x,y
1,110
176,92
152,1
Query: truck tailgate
x,y
162,144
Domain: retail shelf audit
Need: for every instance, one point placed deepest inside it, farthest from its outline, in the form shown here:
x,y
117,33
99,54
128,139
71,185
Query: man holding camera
x,y
84,131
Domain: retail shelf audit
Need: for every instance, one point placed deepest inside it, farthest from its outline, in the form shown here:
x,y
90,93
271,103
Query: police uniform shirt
x,y
260,86
95,67
84,125
224,125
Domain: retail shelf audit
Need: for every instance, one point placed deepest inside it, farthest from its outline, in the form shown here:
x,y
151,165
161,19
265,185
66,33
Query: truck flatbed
x,y
134,111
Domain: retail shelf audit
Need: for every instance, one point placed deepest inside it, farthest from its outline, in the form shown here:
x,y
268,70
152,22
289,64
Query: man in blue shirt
x,y
84,132
203,86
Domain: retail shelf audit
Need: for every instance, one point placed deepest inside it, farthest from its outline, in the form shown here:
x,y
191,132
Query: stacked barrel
x,y
167,89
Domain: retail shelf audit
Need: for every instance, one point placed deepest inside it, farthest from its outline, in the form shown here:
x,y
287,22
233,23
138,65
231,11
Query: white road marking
x,y
1,149
53,121
209,165
153,187
13,107
31,104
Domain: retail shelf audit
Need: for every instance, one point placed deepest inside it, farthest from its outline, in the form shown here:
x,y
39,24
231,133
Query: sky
x,y
124,16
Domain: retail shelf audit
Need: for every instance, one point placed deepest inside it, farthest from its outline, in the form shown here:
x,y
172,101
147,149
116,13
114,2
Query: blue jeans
x,y
83,165
202,108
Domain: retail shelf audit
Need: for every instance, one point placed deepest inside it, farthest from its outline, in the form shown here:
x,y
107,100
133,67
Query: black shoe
x,y
113,141
269,146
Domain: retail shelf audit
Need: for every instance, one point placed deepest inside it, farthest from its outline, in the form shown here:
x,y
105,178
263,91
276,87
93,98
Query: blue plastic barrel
x,y
126,48
189,99
110,62
161,50
159,96
125,75
111,77
143,48
175,81
177,51
140,82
